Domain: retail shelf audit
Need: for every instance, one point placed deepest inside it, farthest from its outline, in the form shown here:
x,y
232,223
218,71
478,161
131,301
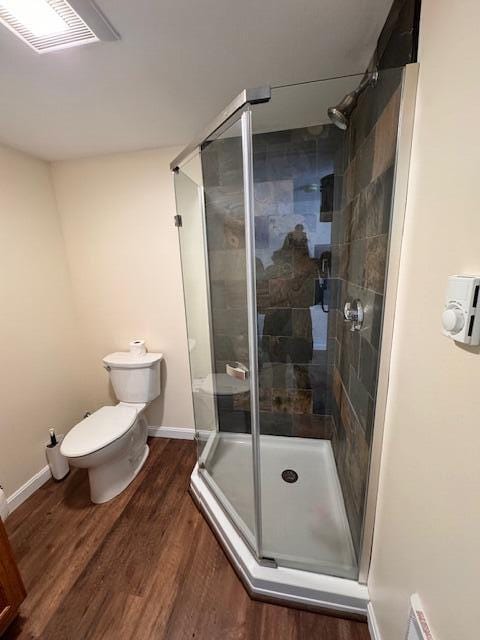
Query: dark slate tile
x,y
321,401
340,259
332,351
282,375
386,136
357,253
281,400
225,403
334,286
376,263
368,366
230,322
359,397
378,203
310,376
401,19
313,426
301,401
320,358
278,322
299,350
276,424
370,421
357,220
337,387
234,421
362,122
265,399
241,401
363,164
349,355
338,227
302,323
377,318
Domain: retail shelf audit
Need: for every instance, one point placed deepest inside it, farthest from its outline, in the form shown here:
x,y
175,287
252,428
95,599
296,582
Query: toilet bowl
x,y
112,442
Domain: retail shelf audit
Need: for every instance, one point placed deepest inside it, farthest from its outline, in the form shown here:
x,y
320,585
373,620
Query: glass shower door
x,y
190,220
210,198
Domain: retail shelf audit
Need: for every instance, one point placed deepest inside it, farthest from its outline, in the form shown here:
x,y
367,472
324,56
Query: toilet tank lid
x,y
127,360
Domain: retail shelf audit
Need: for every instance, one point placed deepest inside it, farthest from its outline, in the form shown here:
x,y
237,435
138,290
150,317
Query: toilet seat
x,y
100,429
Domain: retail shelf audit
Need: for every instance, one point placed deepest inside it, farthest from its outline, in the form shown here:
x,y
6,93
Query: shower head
x,y
340,113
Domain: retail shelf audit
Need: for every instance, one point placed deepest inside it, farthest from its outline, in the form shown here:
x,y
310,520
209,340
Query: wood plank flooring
x,y
143,566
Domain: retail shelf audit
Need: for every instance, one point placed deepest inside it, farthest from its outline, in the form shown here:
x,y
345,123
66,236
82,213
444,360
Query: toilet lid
x,y
98,430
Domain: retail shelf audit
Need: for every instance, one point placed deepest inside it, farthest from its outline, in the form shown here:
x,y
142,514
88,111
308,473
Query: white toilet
x,y
112,442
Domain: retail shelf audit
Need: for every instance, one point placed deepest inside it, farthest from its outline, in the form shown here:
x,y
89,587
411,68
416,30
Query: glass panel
x,y
189,200
220,365
322,199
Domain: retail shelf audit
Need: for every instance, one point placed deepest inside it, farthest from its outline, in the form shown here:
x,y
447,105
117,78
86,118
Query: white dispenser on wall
x,y
461,317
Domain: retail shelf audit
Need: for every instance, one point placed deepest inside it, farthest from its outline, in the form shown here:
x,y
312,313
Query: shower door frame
x,y
240,110
403,149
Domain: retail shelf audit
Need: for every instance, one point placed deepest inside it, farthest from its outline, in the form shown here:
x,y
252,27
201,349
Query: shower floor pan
x,y
304,523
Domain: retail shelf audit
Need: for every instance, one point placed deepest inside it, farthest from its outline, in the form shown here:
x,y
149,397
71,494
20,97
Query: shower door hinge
x,y
178,221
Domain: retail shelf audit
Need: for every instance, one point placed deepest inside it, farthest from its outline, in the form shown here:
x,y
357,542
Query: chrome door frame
x,y
240,110
247,96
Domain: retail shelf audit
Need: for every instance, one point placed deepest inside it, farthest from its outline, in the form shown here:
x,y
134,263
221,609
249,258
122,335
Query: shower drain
x,y
289,475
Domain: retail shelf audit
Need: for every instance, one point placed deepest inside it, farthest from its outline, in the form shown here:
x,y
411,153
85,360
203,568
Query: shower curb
x,y
281,585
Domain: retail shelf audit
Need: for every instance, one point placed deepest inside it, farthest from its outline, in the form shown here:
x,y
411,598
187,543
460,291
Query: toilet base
x,y
110,479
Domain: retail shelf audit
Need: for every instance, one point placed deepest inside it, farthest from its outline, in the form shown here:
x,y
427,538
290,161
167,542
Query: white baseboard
x,y
181,433
372,623
26,490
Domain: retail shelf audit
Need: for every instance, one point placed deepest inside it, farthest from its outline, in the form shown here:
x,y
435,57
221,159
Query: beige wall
x,y
428,524
41,357
122,247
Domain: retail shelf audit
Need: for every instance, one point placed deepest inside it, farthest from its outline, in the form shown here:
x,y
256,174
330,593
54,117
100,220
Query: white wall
x,y
427,532
122,247
41,357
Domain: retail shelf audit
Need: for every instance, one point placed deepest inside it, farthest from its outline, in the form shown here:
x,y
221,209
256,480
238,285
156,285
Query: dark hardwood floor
x,y
145,565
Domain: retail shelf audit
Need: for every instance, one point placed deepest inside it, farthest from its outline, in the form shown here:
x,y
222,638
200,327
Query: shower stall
x,y
290,228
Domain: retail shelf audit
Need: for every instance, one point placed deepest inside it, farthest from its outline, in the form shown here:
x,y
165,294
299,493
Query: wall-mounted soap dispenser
x,y
461,317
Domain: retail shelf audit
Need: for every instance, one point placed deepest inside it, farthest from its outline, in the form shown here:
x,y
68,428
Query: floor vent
x,y
418,627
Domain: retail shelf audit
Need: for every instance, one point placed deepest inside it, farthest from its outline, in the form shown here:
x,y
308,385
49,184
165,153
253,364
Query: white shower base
x,y
304,524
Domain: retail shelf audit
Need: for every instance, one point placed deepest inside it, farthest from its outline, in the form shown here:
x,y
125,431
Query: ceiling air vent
x,y
49,25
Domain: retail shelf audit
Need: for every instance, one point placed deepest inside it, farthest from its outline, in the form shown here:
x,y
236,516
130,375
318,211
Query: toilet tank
x,y
135,378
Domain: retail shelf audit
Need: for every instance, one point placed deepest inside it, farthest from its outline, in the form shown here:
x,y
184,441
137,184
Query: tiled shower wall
x,y
293,213
293,208
364,179
225,229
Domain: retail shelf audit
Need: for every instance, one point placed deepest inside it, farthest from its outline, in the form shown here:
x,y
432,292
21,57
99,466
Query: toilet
x,y
112,442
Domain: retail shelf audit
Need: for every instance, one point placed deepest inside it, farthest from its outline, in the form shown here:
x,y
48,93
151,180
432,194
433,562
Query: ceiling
x,y
177,65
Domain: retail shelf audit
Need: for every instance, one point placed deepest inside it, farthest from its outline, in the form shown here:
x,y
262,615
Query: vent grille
x,y
78,31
